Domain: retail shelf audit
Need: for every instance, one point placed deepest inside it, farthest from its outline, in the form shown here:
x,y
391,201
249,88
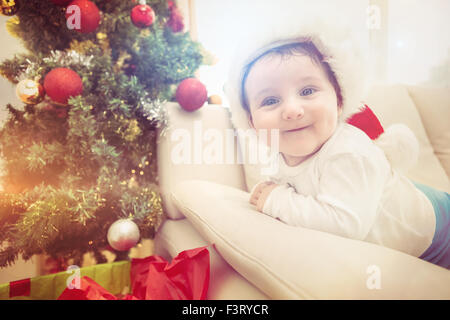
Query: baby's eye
x,y
269,101
308,91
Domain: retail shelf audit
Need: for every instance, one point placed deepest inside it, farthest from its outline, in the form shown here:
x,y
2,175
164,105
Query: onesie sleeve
x,y
349,192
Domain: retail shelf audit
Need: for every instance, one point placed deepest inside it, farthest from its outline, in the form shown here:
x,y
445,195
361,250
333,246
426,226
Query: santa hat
x,y
345,58
398,142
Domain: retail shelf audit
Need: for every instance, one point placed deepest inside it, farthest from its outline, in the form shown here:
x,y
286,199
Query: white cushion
x,y
195,126
433,105
225,283
392,104
288,262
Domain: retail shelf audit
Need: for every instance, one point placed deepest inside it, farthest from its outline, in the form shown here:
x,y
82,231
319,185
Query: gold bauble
x,y
30,91
215,99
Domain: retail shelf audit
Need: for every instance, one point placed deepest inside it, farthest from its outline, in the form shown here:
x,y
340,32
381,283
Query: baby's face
x,y
294,95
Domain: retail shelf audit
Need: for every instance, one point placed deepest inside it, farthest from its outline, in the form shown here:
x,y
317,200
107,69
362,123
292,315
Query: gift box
x,y
151,278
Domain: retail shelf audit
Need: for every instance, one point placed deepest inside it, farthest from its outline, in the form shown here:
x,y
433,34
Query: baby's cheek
x,y
260,121
268,124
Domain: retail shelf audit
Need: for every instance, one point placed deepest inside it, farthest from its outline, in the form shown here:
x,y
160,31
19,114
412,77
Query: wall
x,y
419,42
410,44
9,47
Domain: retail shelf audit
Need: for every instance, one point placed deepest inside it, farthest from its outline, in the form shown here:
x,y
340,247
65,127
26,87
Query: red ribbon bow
x,y
153,278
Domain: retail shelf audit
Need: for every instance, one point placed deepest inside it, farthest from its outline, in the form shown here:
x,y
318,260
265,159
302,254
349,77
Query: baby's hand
x,y
261,193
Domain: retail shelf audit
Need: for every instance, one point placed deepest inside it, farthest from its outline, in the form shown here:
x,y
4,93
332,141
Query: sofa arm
x,y
288,262
184,150
433,104
225,283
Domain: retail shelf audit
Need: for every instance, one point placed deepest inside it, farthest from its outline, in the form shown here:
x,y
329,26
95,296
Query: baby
x,y
331,176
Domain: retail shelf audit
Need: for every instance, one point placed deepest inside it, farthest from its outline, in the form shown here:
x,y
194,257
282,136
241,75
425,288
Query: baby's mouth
x,y
296,130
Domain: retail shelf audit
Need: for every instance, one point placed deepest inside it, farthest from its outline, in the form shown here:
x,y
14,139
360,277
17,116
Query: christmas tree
x,y
80,153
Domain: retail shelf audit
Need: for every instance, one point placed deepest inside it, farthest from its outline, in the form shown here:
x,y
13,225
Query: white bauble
x,y
123,235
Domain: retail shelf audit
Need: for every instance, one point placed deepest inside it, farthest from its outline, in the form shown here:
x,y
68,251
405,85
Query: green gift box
x,y
114,277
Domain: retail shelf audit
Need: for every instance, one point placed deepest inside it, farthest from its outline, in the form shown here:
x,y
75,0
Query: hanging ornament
x,y
86,20
215,99
10,7
142,15
123,235
175,22
30,91
62,83
191,94
61,3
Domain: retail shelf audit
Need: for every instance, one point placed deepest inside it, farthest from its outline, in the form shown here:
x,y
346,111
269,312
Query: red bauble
x,y
61,2
175,22
191,94
90,15
142,16
62,83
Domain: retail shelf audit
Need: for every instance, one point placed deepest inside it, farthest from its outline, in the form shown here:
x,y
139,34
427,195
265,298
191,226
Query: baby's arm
x,y
350,190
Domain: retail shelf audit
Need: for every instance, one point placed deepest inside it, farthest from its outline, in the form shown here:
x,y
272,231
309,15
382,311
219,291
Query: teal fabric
x,y
439,250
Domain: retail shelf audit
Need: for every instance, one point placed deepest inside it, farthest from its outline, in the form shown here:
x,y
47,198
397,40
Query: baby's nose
x,y
293,111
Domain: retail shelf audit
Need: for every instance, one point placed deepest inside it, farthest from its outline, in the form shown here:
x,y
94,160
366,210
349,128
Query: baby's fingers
x,y
255,195
257,191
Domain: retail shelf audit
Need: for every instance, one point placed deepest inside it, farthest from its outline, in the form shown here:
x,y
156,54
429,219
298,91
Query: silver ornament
x,y
123,235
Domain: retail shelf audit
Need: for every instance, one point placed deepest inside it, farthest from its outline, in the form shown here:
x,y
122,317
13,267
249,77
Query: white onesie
x,y
348,188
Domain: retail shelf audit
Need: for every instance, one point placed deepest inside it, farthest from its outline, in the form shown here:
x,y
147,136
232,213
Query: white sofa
x,y
256,257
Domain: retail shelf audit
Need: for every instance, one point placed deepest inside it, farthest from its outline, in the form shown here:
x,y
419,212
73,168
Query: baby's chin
x,y
296,155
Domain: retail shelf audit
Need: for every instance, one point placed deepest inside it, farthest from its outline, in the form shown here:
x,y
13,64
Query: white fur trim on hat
x,y
400,146
333,40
